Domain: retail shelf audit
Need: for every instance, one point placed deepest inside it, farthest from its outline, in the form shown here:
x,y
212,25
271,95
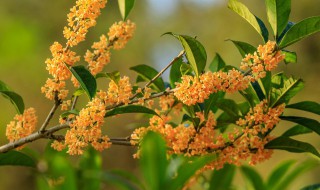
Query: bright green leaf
x,y
244,48
148,73
130,109
300,30
290,57
278,173
86,80
16,158
253,177
308,106
195,52
312,124
217,63
185,69
291,145
115,76
255,22
4,86
175,74
296,130
15,99
67,113
222,178
278,14
125,7
79,92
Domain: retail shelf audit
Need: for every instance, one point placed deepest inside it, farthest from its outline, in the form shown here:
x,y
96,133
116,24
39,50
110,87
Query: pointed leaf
x,y
86,80
148,73
253,177
222,179
125,7
290,57
278,173
244,48
250,95
312,187
266,83
309,106
278,14
115,76
291,145
16,158
175,74
195,52
229,106
255,22
67,113
154,160
296,130
210,103
257,88
312,124
15,99
282,95
300,30
130,109
3,86
217,63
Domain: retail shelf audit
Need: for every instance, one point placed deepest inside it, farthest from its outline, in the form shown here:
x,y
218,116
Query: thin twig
x,y
57,102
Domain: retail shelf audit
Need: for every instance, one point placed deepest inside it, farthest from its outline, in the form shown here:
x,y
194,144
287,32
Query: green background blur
x,y
29,27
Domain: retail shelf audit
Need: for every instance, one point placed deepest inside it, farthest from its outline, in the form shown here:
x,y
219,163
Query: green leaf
x,y
15,99
278,12
153,160
222,179
3,86
253,177
195,52
175,74
266,83
130,109
278,173
244,48
312,187
16,158
250,95
229,106
117,180
257,88
294,174
187,170
300,30
309,106
148,73
79,92
244,12
244,108
210,103
86,80
115,76
91,166
67,113
291,145
282,95
312,124
125,7
130,177
296,130
185,69
290,57
217,63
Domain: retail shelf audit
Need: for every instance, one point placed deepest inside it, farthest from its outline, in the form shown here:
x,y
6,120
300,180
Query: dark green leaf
x,y
278,14
217,63
296,130
229,106
91,166
117,180
290,57
282,95
86,80
244,12
289,25
129,176
15,99
253,177
153,160
250,95
257,88
244,48
266,84
115,76
312,124
309,106
195,52
291,145
125,7
222,179
130,109
148,73
278,173
210,103
312,187
3,86
16,158
300,30
175,74
244,108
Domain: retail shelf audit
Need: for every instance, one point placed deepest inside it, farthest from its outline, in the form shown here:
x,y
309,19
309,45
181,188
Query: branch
x,y
57,102
34,136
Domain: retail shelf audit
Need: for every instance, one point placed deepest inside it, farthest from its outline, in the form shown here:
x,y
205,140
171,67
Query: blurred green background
x,y
28,28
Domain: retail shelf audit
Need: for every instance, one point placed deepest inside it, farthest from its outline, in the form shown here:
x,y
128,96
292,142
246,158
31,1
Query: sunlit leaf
x,y
16,158
217,63
312,124
291,145
70,112
244,48
300,30
86,80
125,7
130,109
255,22
308,106
115,76
296,130
290,57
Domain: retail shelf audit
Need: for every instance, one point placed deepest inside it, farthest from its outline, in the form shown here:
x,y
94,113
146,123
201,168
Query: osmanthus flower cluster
x,y
193,89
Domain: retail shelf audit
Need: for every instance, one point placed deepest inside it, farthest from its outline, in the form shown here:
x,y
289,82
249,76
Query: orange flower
x,y
54,86
119,33
119,92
